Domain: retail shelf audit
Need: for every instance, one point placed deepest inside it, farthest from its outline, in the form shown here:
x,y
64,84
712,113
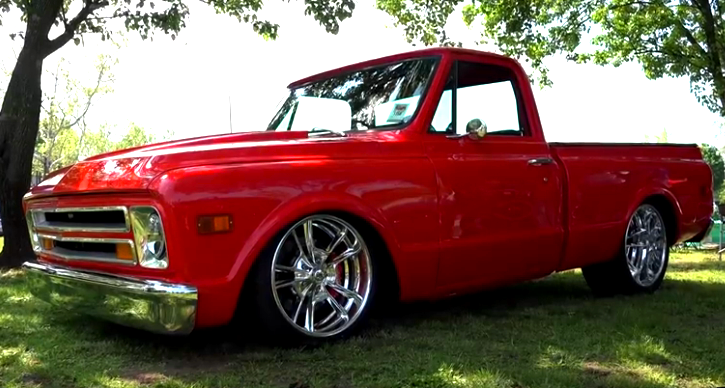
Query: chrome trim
x,y
323,287
100,228
88,256
645,245
540,161
144,304
138,230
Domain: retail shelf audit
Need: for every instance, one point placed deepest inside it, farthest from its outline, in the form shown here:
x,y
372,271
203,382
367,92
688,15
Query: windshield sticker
x,y
398,113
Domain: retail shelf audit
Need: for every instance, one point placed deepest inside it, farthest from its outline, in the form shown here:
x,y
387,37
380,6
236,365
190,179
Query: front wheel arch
x,y
388,282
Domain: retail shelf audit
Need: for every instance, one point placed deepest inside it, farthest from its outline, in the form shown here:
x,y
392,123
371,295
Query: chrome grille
x,y
52,229
90,219
84,248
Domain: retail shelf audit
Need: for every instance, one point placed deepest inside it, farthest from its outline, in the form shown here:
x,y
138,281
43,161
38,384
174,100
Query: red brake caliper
x,y
338,280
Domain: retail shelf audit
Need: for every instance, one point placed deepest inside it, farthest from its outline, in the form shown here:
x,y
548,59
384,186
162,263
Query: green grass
x,y
548,333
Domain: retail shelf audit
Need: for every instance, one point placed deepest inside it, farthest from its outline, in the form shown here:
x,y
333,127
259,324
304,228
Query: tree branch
x,y
120,15
39,156
690,38
72,26
649,3
667,53
90,97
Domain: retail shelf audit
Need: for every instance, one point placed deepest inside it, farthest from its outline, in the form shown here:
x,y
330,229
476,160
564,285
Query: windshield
x,y
374,98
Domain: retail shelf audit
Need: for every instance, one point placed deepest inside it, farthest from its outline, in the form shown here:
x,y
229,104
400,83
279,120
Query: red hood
x,y
135,168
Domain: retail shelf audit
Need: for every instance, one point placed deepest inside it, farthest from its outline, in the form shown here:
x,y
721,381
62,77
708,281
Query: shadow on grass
x,y
549,333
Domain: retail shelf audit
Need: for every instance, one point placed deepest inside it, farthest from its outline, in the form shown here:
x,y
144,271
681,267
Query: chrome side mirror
x,y
476,129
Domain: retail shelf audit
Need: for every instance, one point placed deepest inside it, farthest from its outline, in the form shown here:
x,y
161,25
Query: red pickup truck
x,y
415,176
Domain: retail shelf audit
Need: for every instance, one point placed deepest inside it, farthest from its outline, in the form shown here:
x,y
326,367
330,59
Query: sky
x,y
187,85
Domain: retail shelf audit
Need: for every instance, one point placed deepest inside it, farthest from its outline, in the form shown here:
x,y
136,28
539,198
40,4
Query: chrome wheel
x,y
646,245
321,275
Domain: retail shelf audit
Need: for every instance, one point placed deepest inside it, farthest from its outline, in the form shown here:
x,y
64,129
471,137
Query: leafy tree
x,y
62,130
661,138
21,106
667,37
712,156
136,136
100,141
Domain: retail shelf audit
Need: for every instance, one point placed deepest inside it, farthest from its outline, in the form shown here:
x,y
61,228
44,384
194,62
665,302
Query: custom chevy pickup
x,y
415,176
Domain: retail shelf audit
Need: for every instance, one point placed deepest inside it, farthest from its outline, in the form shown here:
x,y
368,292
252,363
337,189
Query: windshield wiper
x,y
321,132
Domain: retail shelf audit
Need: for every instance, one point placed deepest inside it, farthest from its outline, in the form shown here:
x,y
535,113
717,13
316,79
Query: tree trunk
x,y
19,119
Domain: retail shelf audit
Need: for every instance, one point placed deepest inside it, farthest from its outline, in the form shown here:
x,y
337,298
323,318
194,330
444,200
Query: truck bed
x,y
604,181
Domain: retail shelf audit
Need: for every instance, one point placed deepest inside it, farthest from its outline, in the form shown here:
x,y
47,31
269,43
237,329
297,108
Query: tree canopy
x,y
712,157
51,24
680,38
62,131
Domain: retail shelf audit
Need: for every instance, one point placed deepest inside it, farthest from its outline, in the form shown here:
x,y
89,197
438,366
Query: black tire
x,y
268,304
615,276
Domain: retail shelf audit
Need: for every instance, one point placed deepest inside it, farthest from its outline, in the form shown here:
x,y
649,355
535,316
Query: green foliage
x,y
661,138
712,157
135,136
101,140
667,37
167,16
63,136
62,130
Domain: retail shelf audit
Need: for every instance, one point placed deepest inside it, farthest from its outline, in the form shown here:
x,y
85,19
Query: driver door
x,y
500,195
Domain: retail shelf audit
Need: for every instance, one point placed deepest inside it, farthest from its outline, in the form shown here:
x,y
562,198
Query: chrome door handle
x,y
540,161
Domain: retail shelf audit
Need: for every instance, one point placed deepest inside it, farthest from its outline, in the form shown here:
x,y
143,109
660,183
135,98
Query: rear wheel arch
x,y
625,272
666,208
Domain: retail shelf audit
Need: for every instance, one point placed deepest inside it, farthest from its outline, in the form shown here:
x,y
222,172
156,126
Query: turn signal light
x,y
214,224
124,252
47,244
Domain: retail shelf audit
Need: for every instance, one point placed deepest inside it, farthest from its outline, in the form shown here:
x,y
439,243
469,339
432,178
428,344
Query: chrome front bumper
x,y
145,304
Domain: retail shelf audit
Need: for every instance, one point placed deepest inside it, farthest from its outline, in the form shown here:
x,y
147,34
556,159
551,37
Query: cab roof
x,y
428,52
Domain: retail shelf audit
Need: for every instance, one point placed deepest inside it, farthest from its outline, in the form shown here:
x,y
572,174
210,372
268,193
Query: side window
x,y
483,93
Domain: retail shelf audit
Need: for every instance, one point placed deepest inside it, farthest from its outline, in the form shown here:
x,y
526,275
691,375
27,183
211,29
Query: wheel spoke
x,y
303,256
637,233
341,312
301,303
347,293
341,234
642,268
298,272
310,314
284,283
636,246
348,254
309,240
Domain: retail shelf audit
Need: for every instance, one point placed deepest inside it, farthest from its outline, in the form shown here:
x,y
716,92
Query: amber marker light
x,y
47,244
124,251
214,224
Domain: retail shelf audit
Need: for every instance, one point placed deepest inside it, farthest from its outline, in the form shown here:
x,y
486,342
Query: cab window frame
x,y
453,77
